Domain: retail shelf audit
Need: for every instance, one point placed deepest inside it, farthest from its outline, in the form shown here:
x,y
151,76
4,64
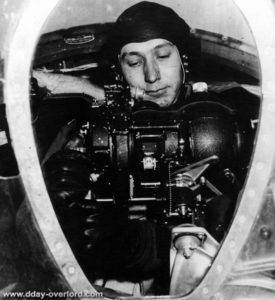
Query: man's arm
x,y
60,84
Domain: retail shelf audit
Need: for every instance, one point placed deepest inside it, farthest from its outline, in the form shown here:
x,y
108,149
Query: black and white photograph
x,y
137,146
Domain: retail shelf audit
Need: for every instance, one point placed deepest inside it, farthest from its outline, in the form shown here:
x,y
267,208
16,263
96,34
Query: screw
x,y
71,270
205,290
265,233
59,245
219,268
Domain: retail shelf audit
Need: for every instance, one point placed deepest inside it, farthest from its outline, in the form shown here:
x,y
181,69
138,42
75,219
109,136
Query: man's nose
x,y
151,71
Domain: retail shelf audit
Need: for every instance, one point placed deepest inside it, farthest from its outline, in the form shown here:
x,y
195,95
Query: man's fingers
x,y
41,77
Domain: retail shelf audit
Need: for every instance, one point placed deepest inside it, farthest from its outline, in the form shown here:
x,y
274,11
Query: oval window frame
x,y
18,60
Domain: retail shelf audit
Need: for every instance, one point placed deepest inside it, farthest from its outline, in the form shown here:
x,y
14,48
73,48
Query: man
x,y
150,53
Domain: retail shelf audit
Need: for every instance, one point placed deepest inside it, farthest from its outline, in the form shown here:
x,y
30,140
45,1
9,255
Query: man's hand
x,y
46,80
66,84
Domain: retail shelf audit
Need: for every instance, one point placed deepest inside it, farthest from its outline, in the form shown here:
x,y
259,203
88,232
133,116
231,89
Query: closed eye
x,y
163,56
163,53
134,63
131,59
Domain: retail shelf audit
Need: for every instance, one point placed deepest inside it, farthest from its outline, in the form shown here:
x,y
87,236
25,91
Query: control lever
x,y
187,176
195,170
187,184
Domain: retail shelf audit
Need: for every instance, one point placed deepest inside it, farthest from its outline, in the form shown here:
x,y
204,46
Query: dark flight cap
x,y
147,20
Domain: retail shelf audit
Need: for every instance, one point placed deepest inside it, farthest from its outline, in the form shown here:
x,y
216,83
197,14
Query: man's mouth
x,y
157,92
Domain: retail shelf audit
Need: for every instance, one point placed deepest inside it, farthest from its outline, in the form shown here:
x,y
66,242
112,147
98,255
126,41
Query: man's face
x,y
155,67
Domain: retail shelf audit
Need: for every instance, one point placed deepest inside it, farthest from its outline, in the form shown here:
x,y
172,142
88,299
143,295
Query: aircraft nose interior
x,y
120,197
